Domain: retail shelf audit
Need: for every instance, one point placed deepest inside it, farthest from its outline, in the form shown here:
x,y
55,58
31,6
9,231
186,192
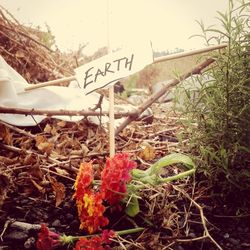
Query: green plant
x,y
218,117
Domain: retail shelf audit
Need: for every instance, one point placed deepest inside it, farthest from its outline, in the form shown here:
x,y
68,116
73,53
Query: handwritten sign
x,y
109,69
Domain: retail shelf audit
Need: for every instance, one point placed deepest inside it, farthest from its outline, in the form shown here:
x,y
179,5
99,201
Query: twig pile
x,y
22,48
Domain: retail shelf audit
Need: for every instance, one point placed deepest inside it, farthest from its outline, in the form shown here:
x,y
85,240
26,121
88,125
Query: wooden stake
x,y
111,122
111,98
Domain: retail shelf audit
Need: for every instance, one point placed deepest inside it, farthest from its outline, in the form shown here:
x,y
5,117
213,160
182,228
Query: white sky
x,y
167,23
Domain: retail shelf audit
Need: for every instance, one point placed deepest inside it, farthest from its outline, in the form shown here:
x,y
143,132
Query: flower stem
x,y
67,239
130,231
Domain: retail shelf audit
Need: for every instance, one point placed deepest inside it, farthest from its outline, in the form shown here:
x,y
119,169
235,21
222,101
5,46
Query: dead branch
x,y
19,150
18,130
156,96
62,112
203,220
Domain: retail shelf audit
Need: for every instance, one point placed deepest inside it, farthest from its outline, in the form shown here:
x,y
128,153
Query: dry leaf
x,y
4,185
6,160
43,145
5,135
61,124
30,159
38,187
59,190
61,171
47,128
50,129
20,54
85,149
147,153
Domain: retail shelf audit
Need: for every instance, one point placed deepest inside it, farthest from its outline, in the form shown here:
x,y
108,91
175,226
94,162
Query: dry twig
x,y
203,220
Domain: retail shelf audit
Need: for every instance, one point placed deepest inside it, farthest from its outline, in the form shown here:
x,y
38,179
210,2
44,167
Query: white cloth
x,y
13,95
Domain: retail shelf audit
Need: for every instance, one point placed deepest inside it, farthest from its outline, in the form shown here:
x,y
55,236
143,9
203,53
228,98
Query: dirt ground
x,y
176,215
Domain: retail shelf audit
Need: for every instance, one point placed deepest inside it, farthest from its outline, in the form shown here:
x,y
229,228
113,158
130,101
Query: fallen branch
x,y
156,60
19,150
62,112
18,130
157,95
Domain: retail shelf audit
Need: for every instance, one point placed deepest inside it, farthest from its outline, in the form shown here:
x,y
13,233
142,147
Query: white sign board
x,y
109,69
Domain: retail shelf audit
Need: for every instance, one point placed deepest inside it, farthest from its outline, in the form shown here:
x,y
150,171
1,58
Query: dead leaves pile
x,y
39,160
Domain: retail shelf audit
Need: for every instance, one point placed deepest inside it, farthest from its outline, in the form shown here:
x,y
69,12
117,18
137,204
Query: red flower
x,y
89,203
83,180
47,240
95,242
115,176
90,211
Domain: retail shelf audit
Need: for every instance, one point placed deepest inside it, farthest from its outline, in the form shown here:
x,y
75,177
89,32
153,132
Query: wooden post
x,y
111,97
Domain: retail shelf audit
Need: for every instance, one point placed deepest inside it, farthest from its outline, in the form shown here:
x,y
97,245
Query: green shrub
x,y
218,118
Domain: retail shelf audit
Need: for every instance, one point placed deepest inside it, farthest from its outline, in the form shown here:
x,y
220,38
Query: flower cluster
x,y
47,240
83,180
90,211
115,176
89,203
95,242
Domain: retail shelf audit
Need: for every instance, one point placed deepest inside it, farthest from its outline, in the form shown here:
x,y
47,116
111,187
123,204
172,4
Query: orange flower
x,y
95,242
115,176
89,203
90,211
83,180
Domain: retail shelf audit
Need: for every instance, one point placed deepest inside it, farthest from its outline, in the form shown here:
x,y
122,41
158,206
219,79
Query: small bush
x,y
218,118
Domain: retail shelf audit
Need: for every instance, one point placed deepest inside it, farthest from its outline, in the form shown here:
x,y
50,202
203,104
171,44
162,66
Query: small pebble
x,y
67,205
23,201
179,248
226,236
234,241
69,216
56,223
16,236
192,235
75,224
29,243
56,211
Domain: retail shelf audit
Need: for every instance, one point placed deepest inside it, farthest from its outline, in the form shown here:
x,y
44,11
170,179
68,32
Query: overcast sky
x,y
166,23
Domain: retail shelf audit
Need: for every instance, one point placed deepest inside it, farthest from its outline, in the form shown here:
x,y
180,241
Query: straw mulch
x,y
23,48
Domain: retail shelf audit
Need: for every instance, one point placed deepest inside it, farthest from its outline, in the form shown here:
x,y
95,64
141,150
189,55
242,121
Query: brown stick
x,y
18,130
61,112
51,83
189,53
161,92
156,60
203,220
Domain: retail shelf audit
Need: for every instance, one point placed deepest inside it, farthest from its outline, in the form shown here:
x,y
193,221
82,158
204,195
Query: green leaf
x,y
133,207
152,174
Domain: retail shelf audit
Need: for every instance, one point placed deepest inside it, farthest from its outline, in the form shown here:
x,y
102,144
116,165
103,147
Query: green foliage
x,y
218,118
130,84
152,175
133,207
